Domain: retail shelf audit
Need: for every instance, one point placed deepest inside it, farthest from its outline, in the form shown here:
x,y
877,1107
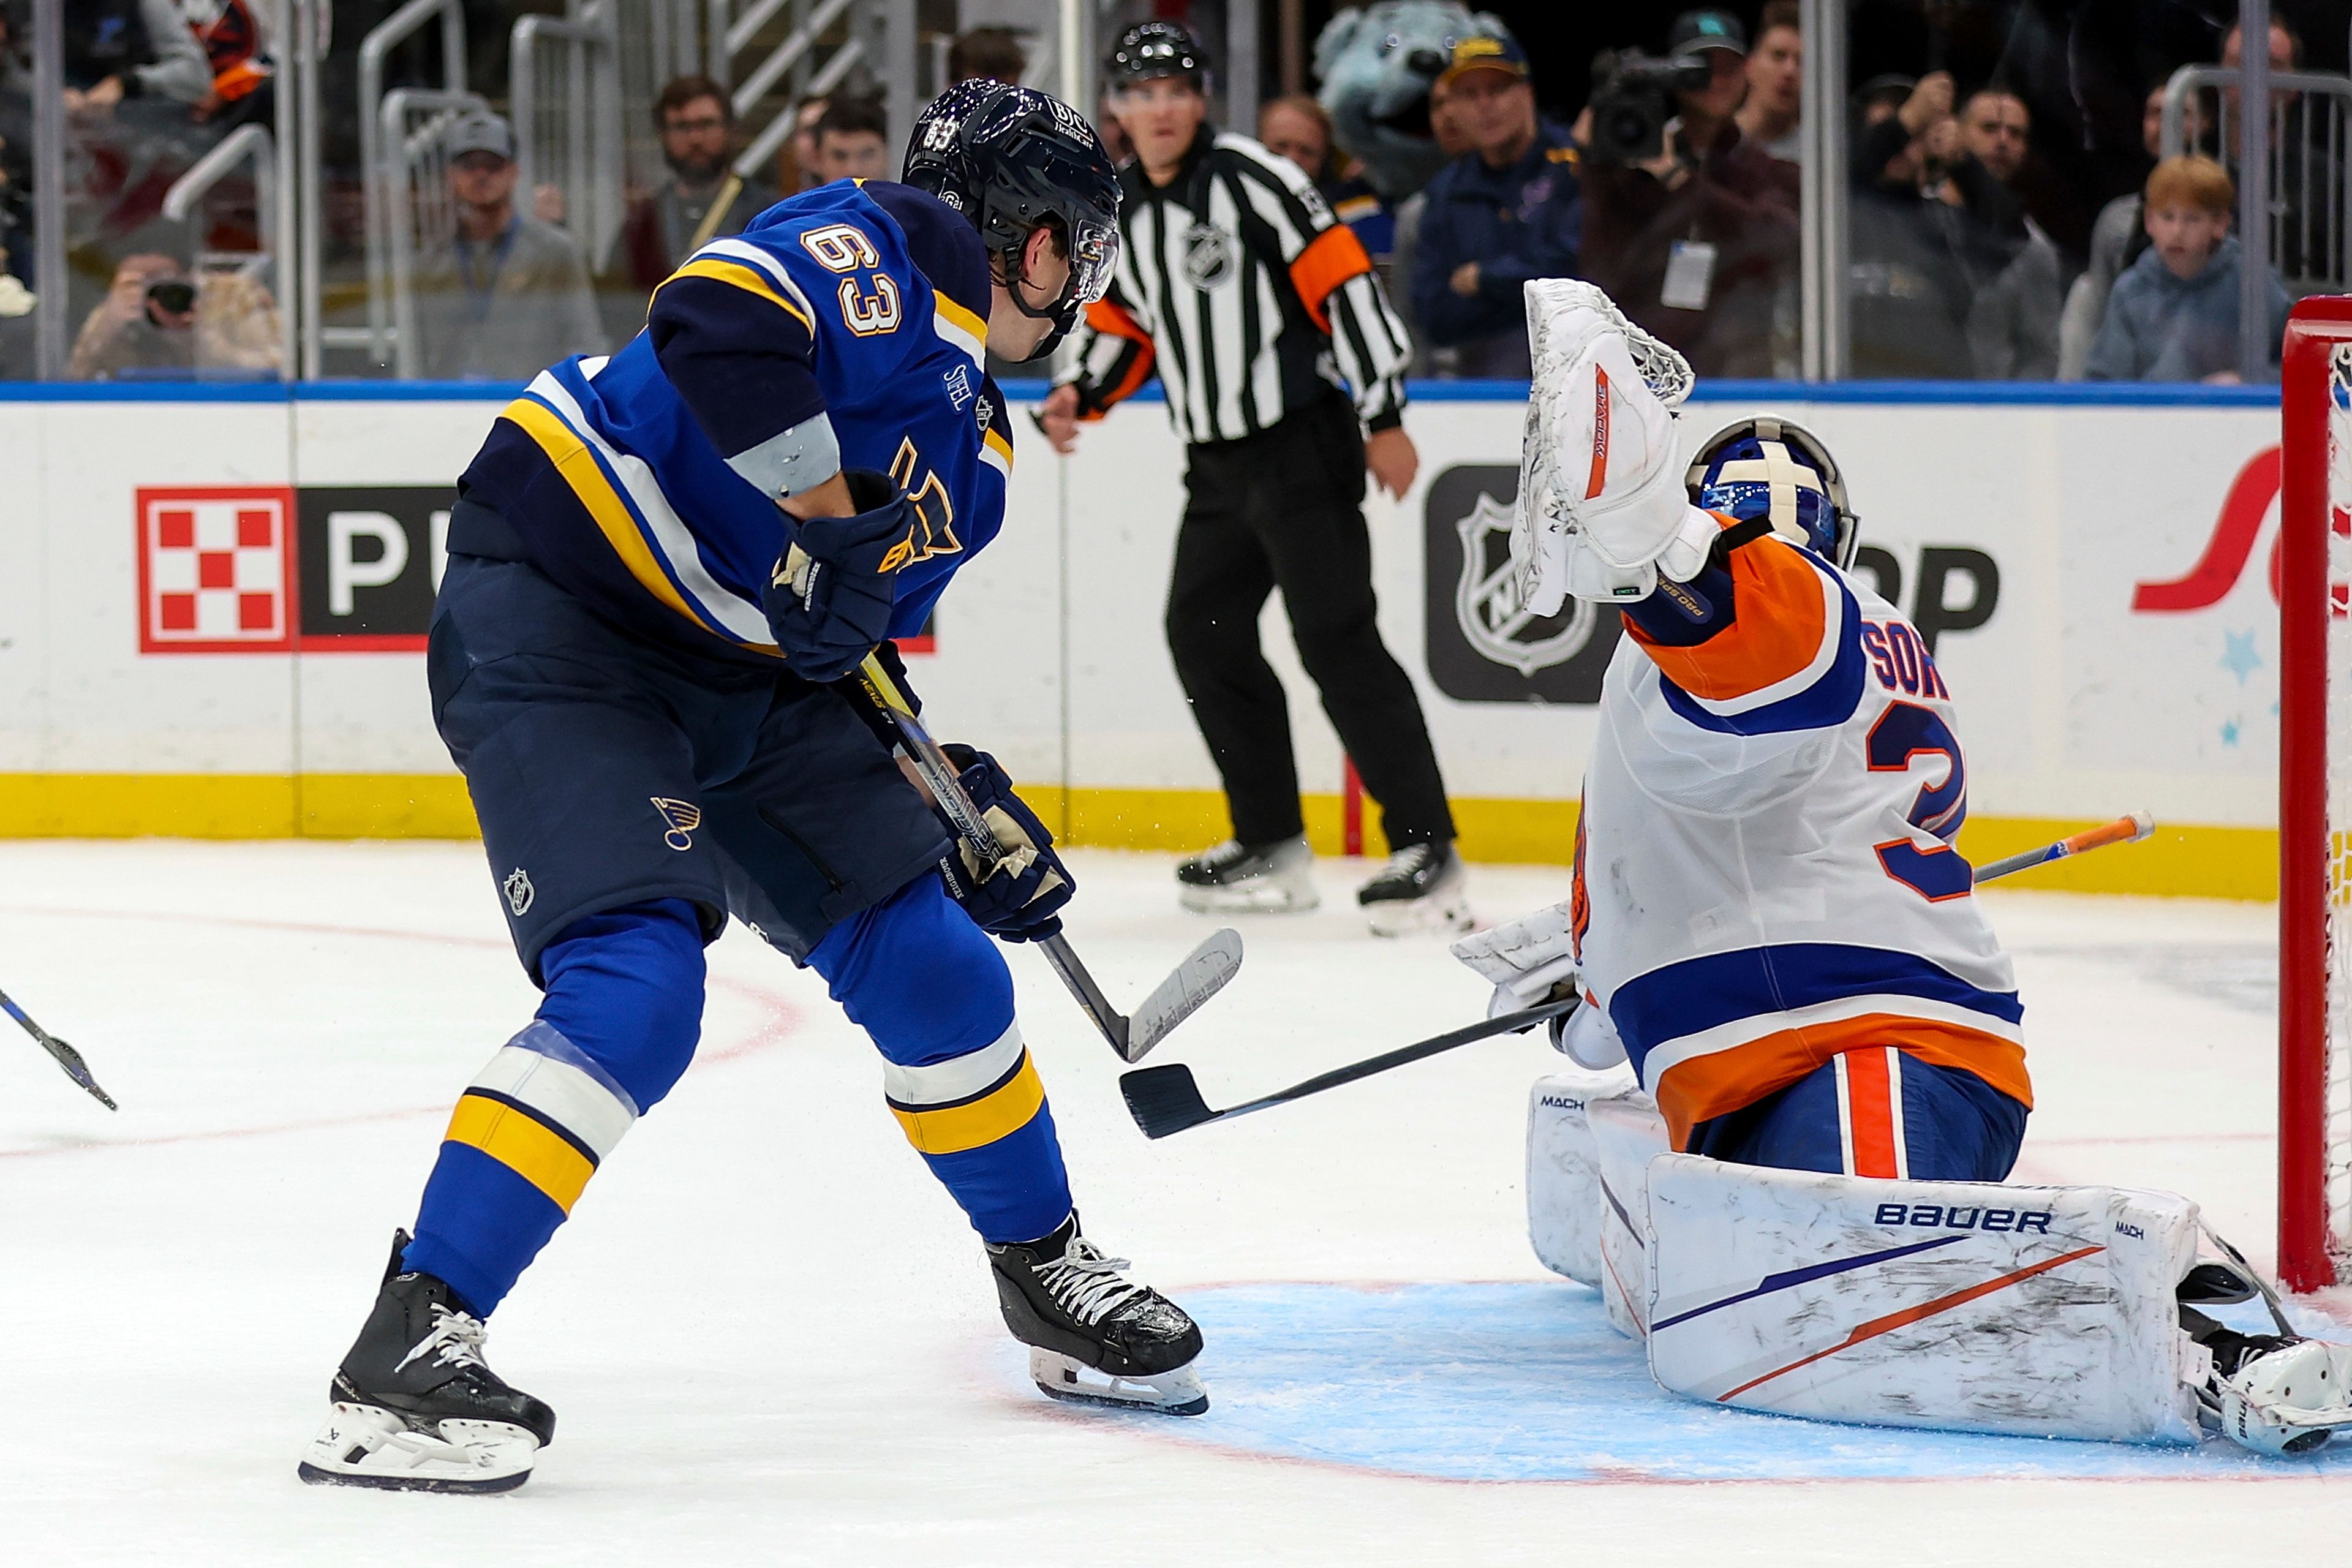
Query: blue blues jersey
x,y
845,328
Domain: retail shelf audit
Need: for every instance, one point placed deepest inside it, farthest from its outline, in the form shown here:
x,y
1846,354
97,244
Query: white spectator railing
x,y
380,161
2310,183
247,144
413,131
568,108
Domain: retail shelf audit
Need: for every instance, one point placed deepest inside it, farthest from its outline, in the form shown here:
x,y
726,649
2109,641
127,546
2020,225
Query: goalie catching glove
x,y
830,598
1602,510
1016,898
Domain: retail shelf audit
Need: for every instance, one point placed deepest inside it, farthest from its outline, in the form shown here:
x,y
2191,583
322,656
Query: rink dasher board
x,y
2105,616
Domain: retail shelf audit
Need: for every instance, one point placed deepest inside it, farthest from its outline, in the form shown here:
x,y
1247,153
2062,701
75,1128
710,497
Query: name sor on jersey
x,y
1900,661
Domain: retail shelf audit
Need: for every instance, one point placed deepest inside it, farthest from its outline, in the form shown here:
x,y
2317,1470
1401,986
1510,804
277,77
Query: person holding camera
x,y
1508,210
157,320
1690,225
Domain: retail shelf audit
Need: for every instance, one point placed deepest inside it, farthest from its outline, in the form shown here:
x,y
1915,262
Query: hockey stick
x,y
1166,1099
1203,973
2122,830
67,1057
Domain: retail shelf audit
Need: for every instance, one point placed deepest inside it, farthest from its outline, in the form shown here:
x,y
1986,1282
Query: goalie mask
x,y
1772,469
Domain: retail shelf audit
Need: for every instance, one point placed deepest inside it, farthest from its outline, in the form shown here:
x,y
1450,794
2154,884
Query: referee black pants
x,y
1283,508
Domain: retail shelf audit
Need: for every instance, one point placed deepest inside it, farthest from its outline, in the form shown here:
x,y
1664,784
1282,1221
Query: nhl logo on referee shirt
x,y
1210,254
1484,645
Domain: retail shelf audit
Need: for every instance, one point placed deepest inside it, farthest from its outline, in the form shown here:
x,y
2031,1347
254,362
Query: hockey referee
x,y
1260,315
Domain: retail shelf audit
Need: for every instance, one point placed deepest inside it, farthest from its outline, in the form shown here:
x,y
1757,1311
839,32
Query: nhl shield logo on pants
x,y
519,891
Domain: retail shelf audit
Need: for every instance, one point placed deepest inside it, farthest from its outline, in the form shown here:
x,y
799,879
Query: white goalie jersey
x,y
1764,874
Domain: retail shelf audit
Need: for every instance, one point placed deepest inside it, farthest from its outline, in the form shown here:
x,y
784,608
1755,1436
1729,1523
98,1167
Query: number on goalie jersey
x,y
1767,901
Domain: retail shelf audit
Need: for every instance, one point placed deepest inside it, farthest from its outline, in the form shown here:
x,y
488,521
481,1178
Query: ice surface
x,y
771,1338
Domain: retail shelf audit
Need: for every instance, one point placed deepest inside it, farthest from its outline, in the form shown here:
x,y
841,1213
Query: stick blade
x,y
1164,1099
1202,976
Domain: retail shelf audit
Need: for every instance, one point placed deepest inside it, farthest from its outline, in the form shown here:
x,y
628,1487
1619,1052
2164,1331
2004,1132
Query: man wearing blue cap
x,y
1508,210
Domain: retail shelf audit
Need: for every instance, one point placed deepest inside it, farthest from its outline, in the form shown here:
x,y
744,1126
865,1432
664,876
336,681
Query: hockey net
x,y
2313,577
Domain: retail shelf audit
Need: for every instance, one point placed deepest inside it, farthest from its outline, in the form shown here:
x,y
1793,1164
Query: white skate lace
x,y
1405,864
1226,854
1087,1283
456,1337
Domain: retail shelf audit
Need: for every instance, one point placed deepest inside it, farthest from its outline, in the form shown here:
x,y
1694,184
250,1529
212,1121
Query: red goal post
x,y
2314,577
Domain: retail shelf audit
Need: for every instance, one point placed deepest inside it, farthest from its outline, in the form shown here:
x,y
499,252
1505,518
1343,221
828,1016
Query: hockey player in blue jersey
x,y
664,568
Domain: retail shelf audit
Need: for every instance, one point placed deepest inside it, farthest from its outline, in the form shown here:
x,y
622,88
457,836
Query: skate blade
x,y
1446,914
1260,898
1177,1393
368,1445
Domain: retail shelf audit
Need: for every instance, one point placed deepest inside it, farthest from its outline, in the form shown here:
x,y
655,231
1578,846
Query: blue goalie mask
x,y
1774,470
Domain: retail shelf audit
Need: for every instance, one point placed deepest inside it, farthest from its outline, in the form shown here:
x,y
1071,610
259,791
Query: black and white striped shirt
x,y
1240,291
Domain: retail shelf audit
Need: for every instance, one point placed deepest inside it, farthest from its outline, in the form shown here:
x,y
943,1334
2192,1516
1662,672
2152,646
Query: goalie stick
x,y
1203,973
67,1057
1165,1100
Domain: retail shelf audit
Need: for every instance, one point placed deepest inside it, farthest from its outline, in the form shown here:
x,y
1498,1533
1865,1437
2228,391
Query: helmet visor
x,y
1094,255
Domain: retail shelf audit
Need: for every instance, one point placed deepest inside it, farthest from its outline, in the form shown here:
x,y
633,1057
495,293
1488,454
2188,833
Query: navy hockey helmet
x,y
1010,158
1778,470
1150,49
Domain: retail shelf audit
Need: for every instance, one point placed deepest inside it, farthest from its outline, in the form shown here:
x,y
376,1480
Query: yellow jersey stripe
x,y
529,1150
995,442
952,1129
579,468
957,315
750,279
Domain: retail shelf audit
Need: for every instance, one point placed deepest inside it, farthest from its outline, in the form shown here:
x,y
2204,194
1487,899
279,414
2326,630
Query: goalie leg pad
x,y
1627,1135
1564,1202
2033,1312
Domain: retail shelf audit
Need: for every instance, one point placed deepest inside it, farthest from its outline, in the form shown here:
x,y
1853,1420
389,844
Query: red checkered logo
x,y
217,569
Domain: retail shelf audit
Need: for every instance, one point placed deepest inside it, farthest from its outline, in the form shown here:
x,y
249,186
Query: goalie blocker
x,y
2029,1311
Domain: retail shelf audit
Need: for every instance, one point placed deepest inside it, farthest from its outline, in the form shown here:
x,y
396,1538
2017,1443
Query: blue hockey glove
x,y
1016,900
830,598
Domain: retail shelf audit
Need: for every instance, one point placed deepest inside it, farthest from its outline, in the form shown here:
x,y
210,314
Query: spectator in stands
x,y
157,320
1445,129
1507,211
16,158
2117,237
1299,128
1700,243
509,295
994,52
2308,176
2014,268
1907,294
853,142
2174,314
235,38
803,175
699,198
121,49
1772,116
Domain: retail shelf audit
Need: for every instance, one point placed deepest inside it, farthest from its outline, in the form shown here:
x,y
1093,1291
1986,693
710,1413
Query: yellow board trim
x,y
577,465
523,1146
957,316
749,279
952,1129
2181,861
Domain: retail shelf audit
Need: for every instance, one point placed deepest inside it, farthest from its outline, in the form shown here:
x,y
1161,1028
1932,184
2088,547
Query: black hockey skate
x,y
1094,1336
416,1408
1269,878
1422,888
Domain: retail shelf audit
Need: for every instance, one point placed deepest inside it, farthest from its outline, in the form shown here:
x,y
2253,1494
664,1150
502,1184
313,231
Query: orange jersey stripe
x,y
1721,1083
1870,1103
1782,618
1335,256
1113,320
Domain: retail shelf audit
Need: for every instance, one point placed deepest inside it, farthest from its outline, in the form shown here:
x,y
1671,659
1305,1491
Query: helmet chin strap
x,y
1063,313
